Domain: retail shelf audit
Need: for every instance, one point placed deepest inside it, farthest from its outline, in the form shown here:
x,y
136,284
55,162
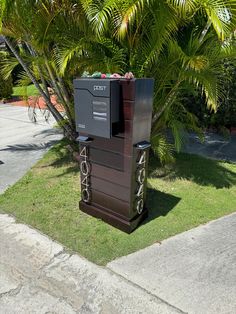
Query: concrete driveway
x,y
22,143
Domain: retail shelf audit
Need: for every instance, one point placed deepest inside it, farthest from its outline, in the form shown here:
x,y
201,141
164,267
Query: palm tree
x,y
24,28
182,44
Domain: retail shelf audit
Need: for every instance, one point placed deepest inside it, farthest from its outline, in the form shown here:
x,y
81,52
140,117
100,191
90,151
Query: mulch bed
x,y
35,102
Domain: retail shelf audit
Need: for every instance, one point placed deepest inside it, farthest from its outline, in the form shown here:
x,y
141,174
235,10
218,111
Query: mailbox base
x,y
116,221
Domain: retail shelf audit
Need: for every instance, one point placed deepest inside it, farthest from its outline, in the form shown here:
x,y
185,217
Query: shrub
x,y
225,116
6,84
6,88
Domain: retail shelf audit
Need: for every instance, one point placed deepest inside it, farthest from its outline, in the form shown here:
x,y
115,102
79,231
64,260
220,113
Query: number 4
x,y
84,152
142,159
85,181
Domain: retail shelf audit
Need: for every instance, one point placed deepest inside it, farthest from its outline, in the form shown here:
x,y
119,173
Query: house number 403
x,y
85,170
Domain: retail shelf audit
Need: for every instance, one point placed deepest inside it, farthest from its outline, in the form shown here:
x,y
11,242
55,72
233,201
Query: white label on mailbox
x,y
99,87
82,126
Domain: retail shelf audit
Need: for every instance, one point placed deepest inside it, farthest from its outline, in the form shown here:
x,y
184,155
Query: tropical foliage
x,y
224,118
182,44
6,86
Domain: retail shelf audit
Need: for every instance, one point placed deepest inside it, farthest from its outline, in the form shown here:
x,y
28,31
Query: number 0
x,y
86,195
84,167
139,206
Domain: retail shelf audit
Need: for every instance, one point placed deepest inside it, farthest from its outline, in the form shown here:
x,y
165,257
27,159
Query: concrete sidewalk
x,y
194,271
38,276
22,143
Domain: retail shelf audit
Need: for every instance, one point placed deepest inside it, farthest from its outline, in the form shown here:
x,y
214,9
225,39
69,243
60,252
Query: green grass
x,y
194,191
25,91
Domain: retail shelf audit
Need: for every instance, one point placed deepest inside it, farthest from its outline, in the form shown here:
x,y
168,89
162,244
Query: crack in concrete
x,y
51,261
12,292
146,291
58,298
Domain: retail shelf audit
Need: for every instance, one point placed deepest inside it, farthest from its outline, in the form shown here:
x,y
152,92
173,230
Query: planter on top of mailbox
x,y
113,118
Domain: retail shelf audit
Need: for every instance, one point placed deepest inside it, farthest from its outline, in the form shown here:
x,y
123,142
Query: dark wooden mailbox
x,y
114,151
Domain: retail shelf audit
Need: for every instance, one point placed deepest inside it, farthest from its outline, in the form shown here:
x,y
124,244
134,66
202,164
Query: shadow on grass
x,y
64,158
159,204
29,147
203,171
48,132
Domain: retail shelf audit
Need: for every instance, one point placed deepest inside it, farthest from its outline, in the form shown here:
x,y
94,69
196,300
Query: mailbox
x,y
113,118
97,106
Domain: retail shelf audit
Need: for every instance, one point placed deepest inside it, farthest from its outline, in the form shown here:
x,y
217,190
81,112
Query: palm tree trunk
x,y
67,98
34,54
58,91
56,114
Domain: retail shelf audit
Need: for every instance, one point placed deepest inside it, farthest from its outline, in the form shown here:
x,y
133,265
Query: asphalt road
x,y
215,146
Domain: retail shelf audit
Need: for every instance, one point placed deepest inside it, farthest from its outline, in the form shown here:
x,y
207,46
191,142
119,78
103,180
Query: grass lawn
x,y
195,191
25,91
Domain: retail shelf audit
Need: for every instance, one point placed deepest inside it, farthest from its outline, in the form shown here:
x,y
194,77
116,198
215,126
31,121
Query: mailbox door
x,y
93,114
97,106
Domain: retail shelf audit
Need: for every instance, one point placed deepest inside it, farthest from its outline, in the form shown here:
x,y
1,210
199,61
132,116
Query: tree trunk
x,y
70,133
58,92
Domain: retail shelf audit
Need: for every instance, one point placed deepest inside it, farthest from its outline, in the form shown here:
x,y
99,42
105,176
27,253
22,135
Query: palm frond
x,y
8,64
162,148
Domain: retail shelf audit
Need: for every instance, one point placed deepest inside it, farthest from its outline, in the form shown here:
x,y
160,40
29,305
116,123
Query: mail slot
x,y
113,118
97,106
